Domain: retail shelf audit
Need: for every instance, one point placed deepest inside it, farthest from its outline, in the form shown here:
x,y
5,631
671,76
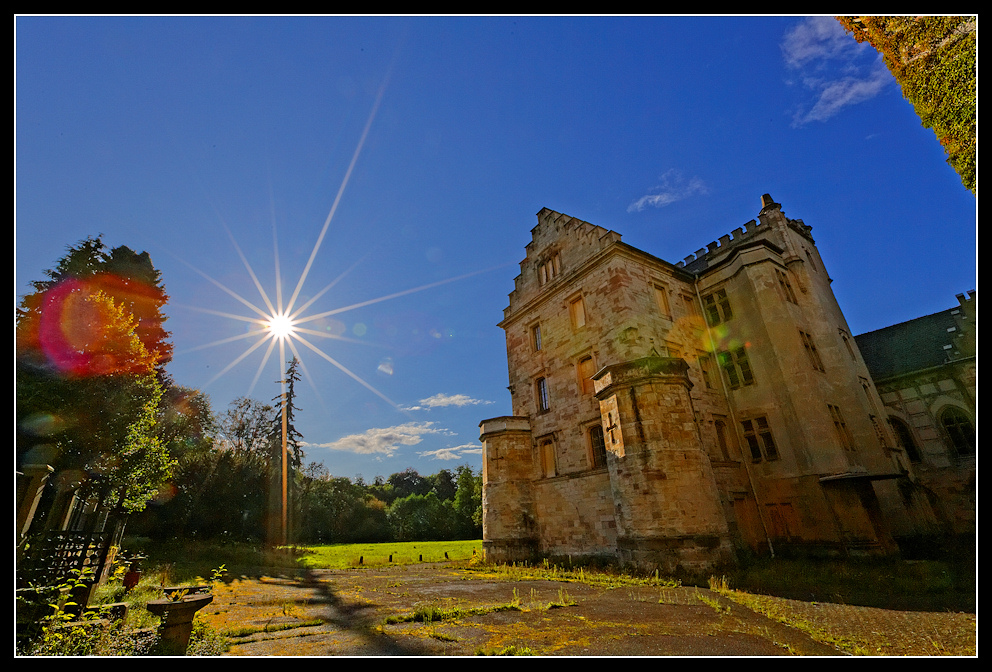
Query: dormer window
x,y
549,269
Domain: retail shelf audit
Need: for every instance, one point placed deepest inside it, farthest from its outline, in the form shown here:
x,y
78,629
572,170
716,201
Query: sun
x,y
281,326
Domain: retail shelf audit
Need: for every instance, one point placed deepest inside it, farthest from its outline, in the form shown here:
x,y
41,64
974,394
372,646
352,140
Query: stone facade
x,y
672,415
926,373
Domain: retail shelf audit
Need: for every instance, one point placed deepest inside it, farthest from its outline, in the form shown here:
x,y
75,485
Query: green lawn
x,y
339,556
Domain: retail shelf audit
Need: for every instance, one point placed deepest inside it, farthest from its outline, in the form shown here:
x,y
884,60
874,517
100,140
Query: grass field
x,y
341,556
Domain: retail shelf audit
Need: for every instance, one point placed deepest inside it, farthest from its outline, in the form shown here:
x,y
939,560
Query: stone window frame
x,y
534,332
716,305
758,436
905,440
661,300
846,338
590,388
724,438
959,428
577,314
705,362
844,436
548,268
810,346
547,456
736,367
786,285
597,458
541,396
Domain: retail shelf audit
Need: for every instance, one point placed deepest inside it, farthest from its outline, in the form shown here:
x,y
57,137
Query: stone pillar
x,y
509,530
668,508
30,486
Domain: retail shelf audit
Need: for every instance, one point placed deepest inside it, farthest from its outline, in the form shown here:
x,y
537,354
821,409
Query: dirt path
x,y
345,612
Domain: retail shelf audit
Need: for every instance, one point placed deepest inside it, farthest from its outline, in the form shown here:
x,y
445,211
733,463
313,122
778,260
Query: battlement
x,y
719,247
561,222
770,210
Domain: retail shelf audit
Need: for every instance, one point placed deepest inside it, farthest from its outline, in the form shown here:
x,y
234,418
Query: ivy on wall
x,y
933,58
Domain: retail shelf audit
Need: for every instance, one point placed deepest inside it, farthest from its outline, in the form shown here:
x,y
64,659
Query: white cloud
x,y
673,187
383,440
453,453
816,39
841,93
440,400
838,70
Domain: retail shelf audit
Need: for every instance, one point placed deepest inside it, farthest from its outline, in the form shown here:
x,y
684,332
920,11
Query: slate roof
x,y
909,346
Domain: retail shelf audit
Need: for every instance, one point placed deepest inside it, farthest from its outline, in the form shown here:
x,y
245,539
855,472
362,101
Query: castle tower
x,y
667,505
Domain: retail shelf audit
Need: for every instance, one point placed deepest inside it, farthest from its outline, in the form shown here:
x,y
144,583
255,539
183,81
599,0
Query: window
x,y
717,307
546,450
691,308
959,430
758,435
597,446
661,299
721,438
706,365
549,269
586,367
904,439
543,405
811,351
535,337
785,285
847,343
843,433
577,311
736,367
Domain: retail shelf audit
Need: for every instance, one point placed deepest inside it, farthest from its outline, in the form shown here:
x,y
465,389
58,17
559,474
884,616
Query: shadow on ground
x,y
365,612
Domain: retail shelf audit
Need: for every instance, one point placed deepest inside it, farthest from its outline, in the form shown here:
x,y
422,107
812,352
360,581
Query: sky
x,y
396,165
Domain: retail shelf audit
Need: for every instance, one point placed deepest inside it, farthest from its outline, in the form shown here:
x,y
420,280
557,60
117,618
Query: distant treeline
x,y
227,485
225,495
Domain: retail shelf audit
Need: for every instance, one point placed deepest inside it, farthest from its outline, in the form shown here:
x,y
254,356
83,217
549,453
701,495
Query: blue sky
x,y
417,151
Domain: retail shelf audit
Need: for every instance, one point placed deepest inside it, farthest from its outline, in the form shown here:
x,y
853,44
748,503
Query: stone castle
x,y
670,416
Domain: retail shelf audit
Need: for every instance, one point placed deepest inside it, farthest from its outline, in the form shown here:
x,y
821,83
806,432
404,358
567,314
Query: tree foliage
x,y
88,385
933,58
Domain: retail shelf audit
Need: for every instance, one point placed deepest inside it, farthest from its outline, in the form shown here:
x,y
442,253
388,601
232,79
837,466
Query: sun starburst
x,y
276,324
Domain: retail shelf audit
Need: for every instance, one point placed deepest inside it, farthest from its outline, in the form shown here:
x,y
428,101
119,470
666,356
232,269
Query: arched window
x,y
959,430
904,439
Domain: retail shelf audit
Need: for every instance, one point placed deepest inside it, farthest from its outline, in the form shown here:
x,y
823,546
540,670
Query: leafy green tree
x,y
934,60
127,277
409,482
246,427
468,503
443,484
421,518
88,391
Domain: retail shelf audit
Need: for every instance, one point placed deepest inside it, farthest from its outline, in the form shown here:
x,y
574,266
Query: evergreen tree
x,y
283,427
294,440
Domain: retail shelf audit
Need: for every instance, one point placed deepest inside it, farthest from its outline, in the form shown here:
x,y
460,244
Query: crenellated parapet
x,y
770,216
